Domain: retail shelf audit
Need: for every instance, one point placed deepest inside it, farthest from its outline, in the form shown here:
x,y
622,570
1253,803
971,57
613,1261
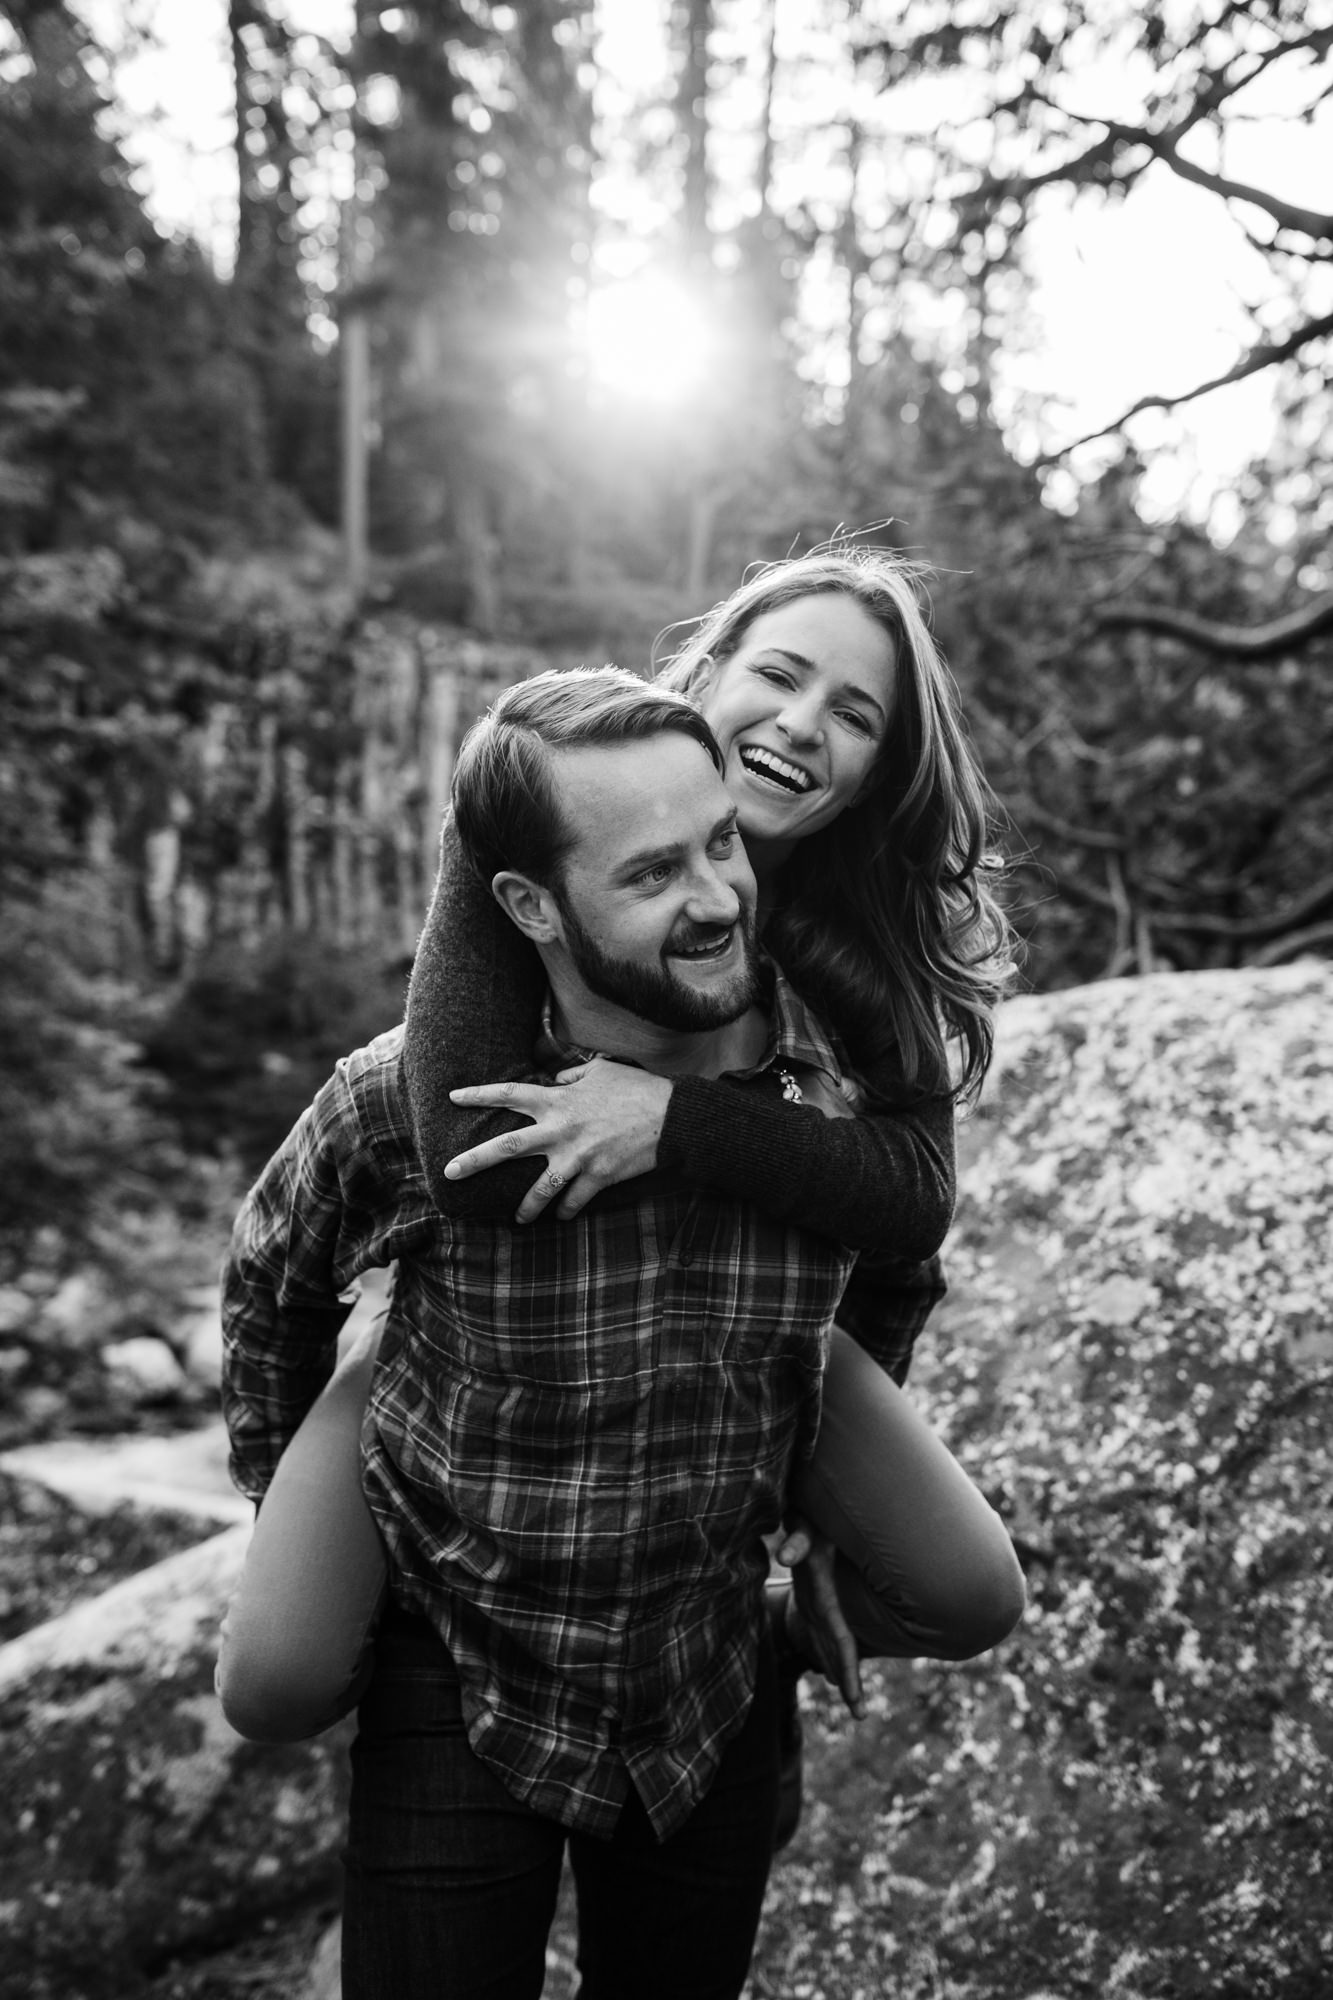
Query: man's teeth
x,y
770,765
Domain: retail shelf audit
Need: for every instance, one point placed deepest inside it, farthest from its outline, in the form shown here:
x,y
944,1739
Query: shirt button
x,y
687,1258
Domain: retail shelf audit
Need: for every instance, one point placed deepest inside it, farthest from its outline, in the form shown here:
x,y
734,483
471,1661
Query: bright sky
x,y
1140,298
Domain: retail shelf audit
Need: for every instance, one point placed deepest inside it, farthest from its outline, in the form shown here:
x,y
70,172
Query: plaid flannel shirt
x,y
578,1434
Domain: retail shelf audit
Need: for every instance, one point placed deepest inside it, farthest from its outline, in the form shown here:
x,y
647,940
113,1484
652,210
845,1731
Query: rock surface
x,y
1134,1796
135,1820
186,1473
1131,1798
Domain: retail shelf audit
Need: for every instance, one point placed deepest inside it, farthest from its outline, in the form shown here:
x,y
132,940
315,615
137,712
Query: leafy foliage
x,y
1151,706
252,1037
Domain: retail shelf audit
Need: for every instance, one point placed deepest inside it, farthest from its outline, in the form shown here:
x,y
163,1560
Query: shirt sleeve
x,y
882,1182
474,1006
323,1211
885,1308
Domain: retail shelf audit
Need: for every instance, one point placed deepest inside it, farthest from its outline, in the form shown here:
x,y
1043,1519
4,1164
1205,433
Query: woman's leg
x,y
925,1566
296,1649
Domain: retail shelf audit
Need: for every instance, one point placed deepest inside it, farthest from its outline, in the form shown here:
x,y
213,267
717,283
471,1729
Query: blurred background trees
x,y
617,330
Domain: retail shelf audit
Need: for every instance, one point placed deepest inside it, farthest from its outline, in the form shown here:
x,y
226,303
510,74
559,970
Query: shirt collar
x,y
795,1033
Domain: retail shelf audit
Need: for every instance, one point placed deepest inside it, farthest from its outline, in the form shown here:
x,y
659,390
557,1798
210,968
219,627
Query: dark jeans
x,y
451,1883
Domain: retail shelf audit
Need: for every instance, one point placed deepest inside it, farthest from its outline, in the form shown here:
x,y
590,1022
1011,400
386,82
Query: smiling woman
x,y
800,711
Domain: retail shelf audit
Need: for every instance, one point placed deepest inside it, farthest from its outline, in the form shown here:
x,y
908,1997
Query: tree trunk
x,y
481,556
241,15
354,351
694,21
704,504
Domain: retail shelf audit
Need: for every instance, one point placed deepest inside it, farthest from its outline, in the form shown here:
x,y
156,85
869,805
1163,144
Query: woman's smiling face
x,y
801,710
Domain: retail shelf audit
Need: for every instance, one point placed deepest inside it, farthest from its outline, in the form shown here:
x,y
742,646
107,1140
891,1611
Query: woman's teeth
x,y
767,764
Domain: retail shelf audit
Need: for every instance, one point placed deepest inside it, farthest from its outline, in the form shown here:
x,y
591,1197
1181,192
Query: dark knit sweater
x,y
882,1183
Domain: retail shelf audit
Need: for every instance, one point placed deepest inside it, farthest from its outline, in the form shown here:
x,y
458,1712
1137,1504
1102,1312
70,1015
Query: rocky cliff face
x,y
1135,1795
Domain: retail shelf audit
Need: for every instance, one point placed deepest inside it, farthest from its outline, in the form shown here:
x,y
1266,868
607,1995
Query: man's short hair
x,y
503,799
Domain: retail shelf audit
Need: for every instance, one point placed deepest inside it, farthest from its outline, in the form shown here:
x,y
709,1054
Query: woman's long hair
x,y
887,919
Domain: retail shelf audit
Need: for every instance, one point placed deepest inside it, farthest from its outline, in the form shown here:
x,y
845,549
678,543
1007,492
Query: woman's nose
x,y
801,720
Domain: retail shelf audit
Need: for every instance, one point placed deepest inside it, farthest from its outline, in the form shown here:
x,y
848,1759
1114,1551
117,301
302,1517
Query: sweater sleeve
x,y
883,1181
473,1015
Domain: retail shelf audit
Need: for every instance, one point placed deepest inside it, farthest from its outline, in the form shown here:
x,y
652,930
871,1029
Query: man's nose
x,y
713,900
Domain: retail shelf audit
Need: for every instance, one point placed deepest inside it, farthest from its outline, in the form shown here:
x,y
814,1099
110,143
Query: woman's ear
x,y
529,905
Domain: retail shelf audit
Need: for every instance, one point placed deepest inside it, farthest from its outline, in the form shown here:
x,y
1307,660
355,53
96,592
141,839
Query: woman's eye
x,y
778,675
855,720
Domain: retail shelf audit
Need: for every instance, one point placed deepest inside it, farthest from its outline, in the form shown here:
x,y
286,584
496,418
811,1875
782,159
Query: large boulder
x,y
1134,1796
135,1821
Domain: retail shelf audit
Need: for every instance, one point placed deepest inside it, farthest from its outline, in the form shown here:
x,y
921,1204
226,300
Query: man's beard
x,y
653,992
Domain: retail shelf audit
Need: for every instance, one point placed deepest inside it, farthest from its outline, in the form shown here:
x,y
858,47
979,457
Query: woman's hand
x,y
597,1125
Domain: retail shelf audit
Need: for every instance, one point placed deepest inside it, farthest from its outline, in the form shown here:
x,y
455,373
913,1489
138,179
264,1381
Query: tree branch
x,y
1267,355
1079,836
1213,91
1304,221
1255,642
1319,937
1079,891
1260,929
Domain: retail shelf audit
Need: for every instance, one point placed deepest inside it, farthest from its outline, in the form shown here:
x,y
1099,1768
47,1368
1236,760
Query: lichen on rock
x,y
1135,1361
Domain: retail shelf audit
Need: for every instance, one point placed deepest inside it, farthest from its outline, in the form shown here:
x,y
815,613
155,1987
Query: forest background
x,y
497,360
275,523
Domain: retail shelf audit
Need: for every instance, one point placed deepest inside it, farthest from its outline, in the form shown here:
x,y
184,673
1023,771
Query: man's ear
x,y
529,905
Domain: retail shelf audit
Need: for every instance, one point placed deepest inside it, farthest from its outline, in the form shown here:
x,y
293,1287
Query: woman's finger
x,y
493,1153
508,1096
543,1190
796,1542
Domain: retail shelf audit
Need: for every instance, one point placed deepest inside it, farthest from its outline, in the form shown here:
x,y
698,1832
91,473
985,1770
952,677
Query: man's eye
x,y
652,876
725,841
